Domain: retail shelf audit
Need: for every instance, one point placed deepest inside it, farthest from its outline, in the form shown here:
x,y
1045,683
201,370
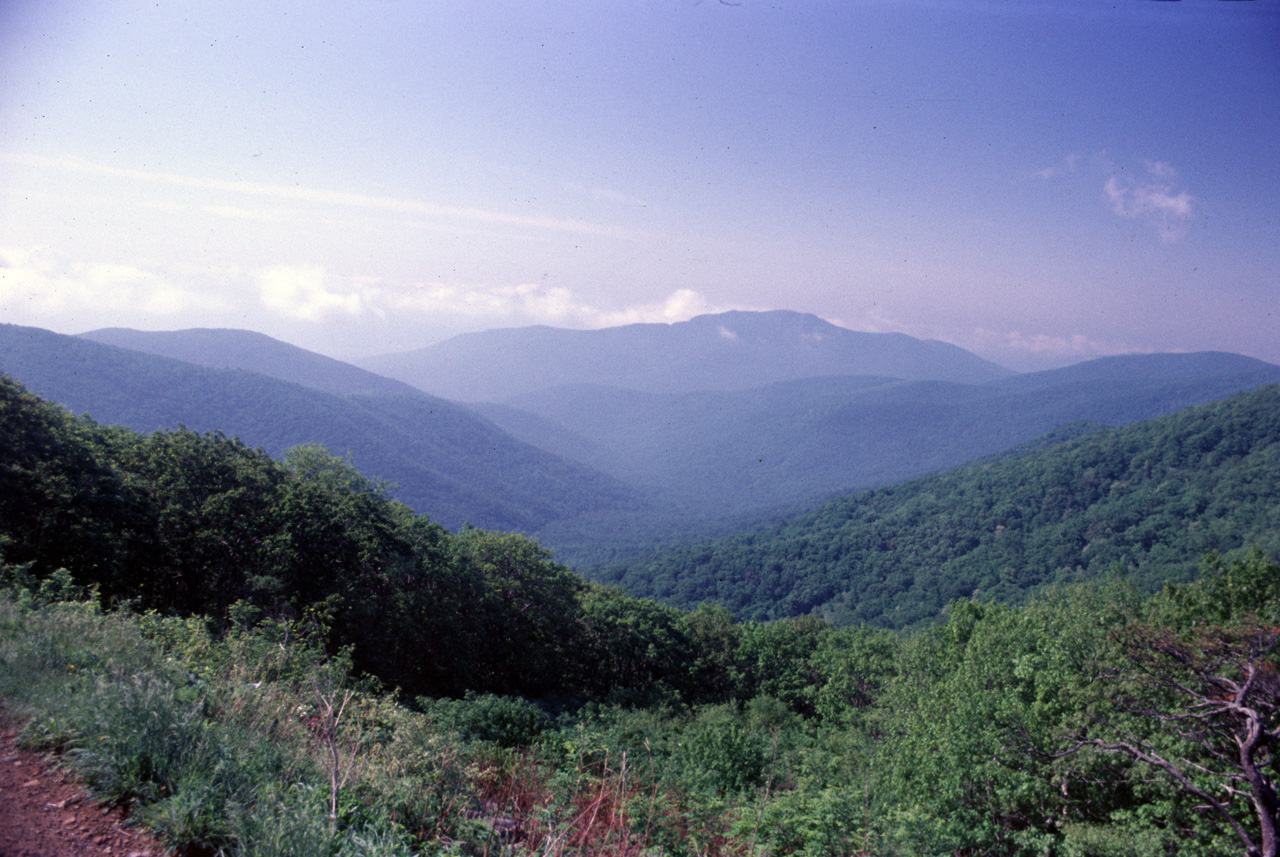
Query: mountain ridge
x,y
780,444
233,348
446,461
724,351
600,472
1152,497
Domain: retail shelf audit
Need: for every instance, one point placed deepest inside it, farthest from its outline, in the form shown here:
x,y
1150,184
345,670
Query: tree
x,y
528,617
855,664
972,712
714,639
213,510
630,645
1196,696
775,659
63,503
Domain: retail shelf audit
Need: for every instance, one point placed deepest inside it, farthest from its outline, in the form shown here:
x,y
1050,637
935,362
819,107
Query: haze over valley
x,y
680,446
707,428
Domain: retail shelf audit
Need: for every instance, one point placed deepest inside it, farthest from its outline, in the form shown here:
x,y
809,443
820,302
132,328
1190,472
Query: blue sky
x,y
1038,182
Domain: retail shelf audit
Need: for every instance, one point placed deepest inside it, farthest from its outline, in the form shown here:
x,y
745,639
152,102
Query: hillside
x,y
296,658
601,474
780,445
443,460
1153,497
254,352
713,461
728,351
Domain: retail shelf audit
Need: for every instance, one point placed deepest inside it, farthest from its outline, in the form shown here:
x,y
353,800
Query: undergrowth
x,y
256,742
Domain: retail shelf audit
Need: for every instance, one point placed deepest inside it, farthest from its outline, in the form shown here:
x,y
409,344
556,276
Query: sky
x,y
1038,182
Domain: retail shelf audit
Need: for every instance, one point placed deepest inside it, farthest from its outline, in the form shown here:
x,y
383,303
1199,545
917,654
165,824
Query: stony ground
x,y
45,813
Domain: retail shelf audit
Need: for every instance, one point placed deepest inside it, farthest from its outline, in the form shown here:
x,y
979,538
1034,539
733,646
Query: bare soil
x,y
44,812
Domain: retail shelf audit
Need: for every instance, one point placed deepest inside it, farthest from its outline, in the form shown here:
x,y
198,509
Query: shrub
x,y
508,721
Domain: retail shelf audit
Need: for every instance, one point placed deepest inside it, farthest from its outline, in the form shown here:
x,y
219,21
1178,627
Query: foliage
x,y
1195,696
1152,497
231,666
947,741
507,721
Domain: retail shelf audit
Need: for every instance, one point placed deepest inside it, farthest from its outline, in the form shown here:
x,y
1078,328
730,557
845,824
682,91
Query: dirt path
x,y
45,813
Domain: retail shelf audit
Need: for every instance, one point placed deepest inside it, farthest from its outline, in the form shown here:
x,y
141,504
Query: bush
x,y
721,755
508,721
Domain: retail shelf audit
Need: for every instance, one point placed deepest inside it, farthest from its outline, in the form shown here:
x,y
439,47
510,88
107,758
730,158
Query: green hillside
x,y
691,465
1153,498
443,460
273,658
259,657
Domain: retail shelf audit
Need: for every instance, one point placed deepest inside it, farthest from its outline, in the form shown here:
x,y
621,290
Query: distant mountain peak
x,y
732,350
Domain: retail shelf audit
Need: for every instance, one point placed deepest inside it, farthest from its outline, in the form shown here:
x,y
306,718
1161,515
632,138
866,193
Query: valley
x,y
633,437
886,615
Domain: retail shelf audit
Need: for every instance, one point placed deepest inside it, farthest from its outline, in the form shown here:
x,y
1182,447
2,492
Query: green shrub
x,y
295,822
508,721
830,822
719,754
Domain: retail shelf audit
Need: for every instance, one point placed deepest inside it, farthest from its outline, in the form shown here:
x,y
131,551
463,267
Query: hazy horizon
x,y
1039,183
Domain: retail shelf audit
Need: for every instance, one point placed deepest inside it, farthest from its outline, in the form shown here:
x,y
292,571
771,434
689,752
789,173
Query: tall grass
x,y
208,743
257,743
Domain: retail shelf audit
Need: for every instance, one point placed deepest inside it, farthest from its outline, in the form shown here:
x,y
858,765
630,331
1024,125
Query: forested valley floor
x,y
272,657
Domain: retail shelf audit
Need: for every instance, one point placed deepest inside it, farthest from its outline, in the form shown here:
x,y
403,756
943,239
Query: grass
x,y
257,743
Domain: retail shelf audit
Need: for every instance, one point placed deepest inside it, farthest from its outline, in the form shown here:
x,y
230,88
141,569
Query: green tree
x,y
715,638
853,666
775,659
63,502
973,712
632,649
214,508
527,617
1195,696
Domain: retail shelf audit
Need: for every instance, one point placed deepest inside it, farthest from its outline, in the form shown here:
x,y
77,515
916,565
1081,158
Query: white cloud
x,y
526,303
36,287
328,197
1043,344
40,288
1038,350
1154,202
878,319
1149,195
1068,165
300,292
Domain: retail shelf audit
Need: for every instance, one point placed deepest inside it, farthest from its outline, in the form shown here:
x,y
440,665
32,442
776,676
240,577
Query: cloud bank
x,y
40,288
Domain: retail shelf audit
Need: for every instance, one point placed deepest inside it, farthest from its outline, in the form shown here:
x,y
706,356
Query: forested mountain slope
x,y
786,443
728,351
718,459
254,352
441,691
1152,497
445,461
